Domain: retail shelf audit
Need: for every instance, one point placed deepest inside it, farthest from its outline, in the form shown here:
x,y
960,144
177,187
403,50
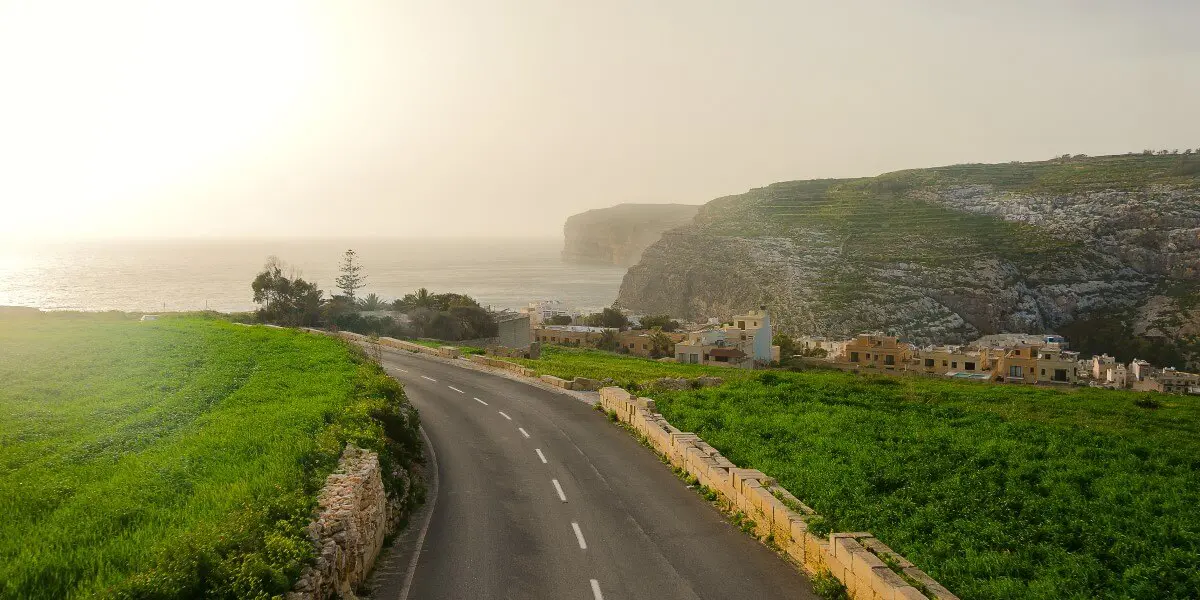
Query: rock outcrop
x,y
619,234
948,254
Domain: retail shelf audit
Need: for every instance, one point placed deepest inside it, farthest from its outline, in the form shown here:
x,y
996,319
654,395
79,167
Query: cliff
x,y
1105,250
619,234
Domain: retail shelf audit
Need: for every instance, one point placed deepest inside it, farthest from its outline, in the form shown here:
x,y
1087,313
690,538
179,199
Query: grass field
x,y
998,491
570,363
173,459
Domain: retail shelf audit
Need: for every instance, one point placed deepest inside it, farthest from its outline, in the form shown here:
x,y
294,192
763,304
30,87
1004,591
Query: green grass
x,y
569,363
996,491
177,458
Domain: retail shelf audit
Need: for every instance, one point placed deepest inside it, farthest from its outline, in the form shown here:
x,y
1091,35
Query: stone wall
x,y
444,351
353,516
869,569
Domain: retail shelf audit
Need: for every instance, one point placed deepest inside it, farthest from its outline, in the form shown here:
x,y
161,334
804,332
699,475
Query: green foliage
x,y
352,278
285,300
663,322
609,317
1147,401
828,587
559,320
178,458
996,491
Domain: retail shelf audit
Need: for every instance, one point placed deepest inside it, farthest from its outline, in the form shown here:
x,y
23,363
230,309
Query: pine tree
x,y
352,278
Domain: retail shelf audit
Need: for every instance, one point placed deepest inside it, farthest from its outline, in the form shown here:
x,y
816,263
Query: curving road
x,y
540,498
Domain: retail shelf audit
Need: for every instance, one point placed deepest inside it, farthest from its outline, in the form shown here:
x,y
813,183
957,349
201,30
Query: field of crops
x,y
173,459
996,491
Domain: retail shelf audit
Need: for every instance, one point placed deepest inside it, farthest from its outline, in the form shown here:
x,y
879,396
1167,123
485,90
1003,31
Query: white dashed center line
x,y
481,401
401,370
429,378
558,488
456,389
523,432
596,590
541,456
579,535
504,415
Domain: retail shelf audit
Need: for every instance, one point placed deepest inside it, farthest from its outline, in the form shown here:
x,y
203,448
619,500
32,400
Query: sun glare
x,y
106,101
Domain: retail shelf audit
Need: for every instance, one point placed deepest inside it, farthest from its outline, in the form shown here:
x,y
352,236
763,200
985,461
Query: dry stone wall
x,y
353,517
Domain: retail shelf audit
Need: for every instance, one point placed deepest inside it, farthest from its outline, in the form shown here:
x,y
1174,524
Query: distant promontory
x,y
618,235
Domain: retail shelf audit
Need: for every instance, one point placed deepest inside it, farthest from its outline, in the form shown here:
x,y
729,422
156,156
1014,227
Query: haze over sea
x,y
190,275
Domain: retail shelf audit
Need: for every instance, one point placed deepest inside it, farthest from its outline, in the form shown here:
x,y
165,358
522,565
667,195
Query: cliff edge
x,y
1105,250
618,235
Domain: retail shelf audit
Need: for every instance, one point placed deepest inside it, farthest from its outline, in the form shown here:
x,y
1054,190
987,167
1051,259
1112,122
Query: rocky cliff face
x,y
1105,250
619,234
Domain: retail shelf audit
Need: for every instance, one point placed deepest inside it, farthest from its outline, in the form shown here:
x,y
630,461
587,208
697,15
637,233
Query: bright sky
x,y
500,118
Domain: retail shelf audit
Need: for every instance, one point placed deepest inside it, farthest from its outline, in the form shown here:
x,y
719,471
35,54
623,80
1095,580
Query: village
x,y
747,341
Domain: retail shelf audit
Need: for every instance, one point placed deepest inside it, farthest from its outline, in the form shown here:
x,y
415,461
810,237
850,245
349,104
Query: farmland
x,y
173,459
996,491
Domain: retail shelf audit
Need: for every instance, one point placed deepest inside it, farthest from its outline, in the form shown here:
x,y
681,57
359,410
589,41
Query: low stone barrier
x,y
869,569
556,382
348,532
502,364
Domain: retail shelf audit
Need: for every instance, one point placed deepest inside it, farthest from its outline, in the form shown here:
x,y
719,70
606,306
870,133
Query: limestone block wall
x,y
502,364
869,569
352,520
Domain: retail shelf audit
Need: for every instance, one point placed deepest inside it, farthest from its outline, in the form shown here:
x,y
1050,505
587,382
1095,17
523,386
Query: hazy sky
x,y
397,118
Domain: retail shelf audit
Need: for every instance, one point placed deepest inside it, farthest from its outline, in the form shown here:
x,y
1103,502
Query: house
x,y
877,351
808,344
1026,363
543,310
638,342
1139,369
1172,381
745,343
952,360
569,335
1100,366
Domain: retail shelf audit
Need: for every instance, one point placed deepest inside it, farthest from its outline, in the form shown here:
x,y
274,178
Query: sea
x,y
187,275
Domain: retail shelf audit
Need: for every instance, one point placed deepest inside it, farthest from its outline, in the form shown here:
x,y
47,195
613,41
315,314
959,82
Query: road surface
x,y
539,497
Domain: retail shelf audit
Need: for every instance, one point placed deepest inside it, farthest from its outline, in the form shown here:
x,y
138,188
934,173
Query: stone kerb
x,y
868,569
556,382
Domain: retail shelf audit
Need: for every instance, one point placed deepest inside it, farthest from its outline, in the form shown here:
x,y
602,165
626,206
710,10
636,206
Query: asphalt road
x,y
540,497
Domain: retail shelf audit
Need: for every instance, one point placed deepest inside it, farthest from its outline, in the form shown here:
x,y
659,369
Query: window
x,y
695,358
970,366
945,362
741,324
954,365
1060,374
853,357
889,359
643,346
1016,371
929,362
1043,372
1016,352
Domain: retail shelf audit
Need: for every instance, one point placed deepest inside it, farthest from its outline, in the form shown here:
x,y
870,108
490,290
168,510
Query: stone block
x,y
844,545
863,562
934,587
884,581
585,384
879,548
647,404
911,593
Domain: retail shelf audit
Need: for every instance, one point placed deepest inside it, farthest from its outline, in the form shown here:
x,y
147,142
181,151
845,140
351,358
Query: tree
x,y
285,300
662,322
371,303
352,278
608,340
559,320
787,346
609,317
661,344
418,299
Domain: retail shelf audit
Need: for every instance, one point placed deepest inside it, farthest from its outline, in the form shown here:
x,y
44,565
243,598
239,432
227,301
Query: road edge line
x,y
431,496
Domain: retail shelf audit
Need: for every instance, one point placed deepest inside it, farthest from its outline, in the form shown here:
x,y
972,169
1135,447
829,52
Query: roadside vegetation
x,y
178,458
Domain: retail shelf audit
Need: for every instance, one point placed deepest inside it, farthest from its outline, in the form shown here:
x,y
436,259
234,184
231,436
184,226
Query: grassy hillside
x,y
998,491
173,459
